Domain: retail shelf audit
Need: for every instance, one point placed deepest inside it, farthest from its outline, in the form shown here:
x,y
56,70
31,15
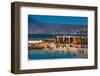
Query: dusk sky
x,y
60,19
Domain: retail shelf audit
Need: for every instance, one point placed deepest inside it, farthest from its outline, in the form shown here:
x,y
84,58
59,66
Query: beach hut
x,y
57,39
74,40
64,40
78,40
68,40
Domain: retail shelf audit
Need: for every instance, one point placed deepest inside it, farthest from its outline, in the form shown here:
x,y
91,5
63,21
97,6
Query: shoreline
x,y
51,46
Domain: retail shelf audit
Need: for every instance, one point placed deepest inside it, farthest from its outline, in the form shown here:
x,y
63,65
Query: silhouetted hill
x,y
37,27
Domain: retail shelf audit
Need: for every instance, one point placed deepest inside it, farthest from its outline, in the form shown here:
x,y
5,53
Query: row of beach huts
x,y
70,39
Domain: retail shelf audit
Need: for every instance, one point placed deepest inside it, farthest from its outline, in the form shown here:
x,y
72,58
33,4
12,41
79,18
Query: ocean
x,y
41,54
47,36
40,36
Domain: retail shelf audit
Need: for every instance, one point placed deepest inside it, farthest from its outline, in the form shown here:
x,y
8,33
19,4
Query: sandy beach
x,y
51,46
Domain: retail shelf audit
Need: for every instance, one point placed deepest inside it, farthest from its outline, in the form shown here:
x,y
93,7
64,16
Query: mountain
x,y
37,27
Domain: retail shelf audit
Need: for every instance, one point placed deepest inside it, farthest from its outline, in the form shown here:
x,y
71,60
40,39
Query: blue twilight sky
x,y
60,19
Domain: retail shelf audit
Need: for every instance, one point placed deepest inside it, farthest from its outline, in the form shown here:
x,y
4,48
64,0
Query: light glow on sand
x,y
36,41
